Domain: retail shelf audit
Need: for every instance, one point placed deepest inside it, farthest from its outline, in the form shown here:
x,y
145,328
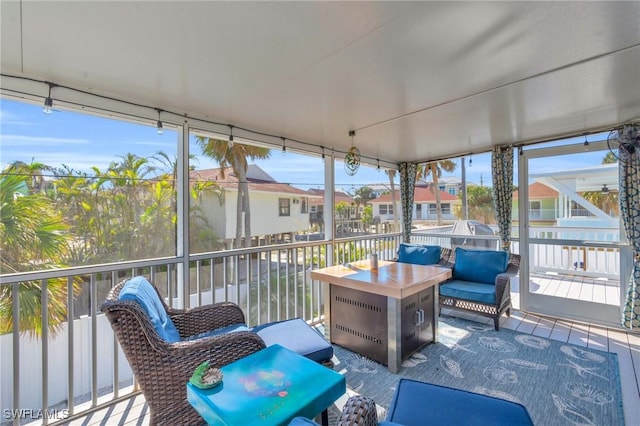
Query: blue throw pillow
x,y
480,266
140,290
419,254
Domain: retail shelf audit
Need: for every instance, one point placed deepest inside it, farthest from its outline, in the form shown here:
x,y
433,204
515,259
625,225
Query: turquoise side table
x,y
268,387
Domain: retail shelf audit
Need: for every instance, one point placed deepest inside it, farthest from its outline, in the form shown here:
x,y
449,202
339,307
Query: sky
x,y
82,141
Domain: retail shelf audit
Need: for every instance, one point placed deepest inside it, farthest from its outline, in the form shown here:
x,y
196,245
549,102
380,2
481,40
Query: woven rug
x,y
560,384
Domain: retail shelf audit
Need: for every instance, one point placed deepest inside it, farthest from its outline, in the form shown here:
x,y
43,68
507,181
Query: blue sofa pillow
x,y
140,290
480,266
419,254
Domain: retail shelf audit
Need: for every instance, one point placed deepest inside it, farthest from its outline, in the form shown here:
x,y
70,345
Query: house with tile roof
x,y
543,203
348,218
278,210
424,205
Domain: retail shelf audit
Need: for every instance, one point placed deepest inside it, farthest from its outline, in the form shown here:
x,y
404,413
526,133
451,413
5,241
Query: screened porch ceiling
x,y
415,80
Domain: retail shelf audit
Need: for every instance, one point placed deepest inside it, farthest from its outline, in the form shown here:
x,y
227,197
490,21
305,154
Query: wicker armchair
x,y
359,410
162,369
502,292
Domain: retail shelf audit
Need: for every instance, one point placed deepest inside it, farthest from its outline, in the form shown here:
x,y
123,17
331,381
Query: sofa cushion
x,y
419,403
298,336
419,254
467,290
481,266
140,290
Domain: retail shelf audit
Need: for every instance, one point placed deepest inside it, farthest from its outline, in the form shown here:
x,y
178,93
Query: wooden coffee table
x,y
385,315
268,387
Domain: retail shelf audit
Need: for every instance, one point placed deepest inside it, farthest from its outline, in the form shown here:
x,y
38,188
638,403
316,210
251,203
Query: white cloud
x,y
24,140
10,118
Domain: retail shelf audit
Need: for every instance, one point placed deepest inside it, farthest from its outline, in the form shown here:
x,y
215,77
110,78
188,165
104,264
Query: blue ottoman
x,y
418,403
298,336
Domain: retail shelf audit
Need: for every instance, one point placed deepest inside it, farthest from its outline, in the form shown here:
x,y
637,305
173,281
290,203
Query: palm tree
x,y
34,172
235,155
31,233
435,169
201,236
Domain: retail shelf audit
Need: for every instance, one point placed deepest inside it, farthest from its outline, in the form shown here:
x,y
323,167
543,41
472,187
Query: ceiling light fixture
x,y
48,102
586,142
230,137
284,146
378,164
352,159
322,147
159,128
605,189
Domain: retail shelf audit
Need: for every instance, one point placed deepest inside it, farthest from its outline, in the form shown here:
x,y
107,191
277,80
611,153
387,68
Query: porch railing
x,y
81,368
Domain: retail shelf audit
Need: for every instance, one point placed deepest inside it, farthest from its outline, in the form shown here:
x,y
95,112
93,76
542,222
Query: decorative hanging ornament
x,y
352,159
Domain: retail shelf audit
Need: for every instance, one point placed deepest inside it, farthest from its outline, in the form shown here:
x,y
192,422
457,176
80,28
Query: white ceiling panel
x,y
416,80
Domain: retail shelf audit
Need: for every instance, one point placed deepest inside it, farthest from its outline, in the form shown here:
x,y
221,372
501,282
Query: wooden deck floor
x,y
576,287
134,411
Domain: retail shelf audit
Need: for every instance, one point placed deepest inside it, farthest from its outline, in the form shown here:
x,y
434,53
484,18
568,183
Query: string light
x,y
378,164
586,142
322,147
230,136
159,128
470,161
284,146
48,102
48,108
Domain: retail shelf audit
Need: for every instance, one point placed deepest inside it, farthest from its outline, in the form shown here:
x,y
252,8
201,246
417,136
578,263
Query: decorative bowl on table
x,y
205,376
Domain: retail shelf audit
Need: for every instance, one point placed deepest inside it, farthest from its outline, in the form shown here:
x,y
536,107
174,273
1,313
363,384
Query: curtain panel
x,y
502,173
407,185
629,179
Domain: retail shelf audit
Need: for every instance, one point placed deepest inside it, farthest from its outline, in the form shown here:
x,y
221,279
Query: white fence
x,y
31,368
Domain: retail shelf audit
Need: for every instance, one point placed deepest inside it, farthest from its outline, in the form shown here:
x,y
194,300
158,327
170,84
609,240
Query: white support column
x,y
328,219
182,203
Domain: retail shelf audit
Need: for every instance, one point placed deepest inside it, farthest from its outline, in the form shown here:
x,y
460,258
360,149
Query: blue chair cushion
x,y
298,336
218,331
467,290
481,266
140,290
302,421
419,403
419,254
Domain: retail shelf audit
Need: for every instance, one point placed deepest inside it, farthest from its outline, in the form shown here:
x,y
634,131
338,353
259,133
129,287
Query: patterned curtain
x,y
407,185
629,175
502,171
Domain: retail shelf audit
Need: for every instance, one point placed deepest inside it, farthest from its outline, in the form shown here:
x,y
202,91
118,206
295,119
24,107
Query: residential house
x,y
424,205
451,184
316,205
543,204
283,209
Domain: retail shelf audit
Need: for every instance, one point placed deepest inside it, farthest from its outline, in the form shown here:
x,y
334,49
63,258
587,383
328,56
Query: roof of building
x,y
318,196
539,190
258,180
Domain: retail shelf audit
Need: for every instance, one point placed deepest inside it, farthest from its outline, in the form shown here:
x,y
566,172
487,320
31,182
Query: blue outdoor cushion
x,y
140,290
419,254
419,403
302,421
467,290
298,336
482,266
